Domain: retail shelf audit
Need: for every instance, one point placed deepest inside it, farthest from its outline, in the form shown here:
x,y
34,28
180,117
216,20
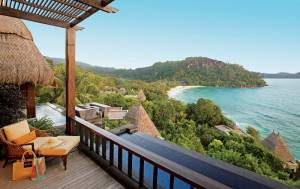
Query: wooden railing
x,y
109,150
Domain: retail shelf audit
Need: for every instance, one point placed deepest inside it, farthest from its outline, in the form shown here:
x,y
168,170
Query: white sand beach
x,y
175,90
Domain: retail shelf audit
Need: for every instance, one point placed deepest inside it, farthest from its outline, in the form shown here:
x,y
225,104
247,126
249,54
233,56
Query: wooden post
x,y
29,91
70,77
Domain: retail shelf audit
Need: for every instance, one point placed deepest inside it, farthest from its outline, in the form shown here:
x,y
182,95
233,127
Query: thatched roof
x,y
138,116
20,60
141,96
276,143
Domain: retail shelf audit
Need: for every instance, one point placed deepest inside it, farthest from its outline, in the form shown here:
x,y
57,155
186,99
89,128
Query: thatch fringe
x,y
20,60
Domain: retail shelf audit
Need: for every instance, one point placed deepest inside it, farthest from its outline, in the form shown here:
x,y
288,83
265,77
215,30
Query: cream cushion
x,y
43,148
53,142
38,142
16,130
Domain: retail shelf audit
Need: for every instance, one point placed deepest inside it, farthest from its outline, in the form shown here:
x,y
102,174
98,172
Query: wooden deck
x,y
82,172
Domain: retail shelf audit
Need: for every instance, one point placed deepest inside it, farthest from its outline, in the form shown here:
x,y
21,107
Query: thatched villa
x,y
276,143
21,63
141,96
138,116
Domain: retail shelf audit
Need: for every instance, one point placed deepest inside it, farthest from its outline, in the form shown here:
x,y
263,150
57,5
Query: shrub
x,y
253,132
215,145
46,125
11,103
111,124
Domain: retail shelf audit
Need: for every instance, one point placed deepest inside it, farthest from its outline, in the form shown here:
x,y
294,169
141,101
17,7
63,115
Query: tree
x,y
254,133
215,145
183,133
205,112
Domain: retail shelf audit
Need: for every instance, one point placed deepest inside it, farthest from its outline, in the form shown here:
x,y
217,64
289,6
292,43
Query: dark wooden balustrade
x,y
109,151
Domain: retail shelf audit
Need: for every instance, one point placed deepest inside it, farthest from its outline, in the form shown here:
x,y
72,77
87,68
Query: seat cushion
x,y
16,130
25,138
43,148
53,142
69,142
38,142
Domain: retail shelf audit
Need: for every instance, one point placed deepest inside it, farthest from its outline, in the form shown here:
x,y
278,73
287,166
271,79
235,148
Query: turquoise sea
x,y
274,107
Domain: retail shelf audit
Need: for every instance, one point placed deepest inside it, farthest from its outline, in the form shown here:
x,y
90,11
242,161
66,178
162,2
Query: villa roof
x,y
20,60
276,143
138,116
141,96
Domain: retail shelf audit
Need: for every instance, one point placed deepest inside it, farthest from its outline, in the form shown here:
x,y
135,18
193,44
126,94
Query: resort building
x,y
226,130
111,113
138,116
89,113
141,96
276,143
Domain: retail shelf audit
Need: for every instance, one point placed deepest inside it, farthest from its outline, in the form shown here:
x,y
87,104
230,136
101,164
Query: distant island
x,y
281,75
190,71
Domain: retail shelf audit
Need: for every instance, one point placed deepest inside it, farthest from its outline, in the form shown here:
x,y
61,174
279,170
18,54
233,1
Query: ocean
x,y
274,107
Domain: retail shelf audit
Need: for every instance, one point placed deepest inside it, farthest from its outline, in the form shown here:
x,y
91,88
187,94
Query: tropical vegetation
x,y
188,125
191,71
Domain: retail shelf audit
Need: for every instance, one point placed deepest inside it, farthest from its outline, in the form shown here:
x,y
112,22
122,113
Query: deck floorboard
x,y
82,172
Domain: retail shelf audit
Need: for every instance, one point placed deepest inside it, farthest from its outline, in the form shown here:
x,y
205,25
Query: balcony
x,y
106,160
81,172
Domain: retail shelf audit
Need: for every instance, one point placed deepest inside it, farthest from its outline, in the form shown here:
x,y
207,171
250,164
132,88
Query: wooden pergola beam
x,y
104,3
27,16
99,6
70,77
59,13
52,9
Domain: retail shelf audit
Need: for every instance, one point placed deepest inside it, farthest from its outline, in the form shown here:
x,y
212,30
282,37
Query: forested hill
x,y
191,71
281,75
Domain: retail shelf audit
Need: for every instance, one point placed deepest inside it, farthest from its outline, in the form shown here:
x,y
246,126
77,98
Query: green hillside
x,y
192,71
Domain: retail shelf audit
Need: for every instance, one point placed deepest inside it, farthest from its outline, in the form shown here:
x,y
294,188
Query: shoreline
x,y
175,90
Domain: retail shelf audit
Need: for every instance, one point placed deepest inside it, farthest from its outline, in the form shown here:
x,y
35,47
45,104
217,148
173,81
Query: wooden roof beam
x,y
83,17
99,6
104,3
44,8
28,16
109,9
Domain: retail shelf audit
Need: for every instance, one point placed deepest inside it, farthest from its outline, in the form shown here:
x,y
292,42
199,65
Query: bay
x,y
274,107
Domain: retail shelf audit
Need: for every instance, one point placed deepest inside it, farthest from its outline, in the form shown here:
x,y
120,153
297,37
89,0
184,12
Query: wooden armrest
x,y
31,144
39,133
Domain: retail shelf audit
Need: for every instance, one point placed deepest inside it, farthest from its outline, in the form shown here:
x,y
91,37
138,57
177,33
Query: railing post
x,y
129,164
103,140
111,152
86,136
92,140
120,157
171,181
155,170
97,144
141,173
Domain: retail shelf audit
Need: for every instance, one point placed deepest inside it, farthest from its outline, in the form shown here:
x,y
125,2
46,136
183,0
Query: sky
x,y
261,35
